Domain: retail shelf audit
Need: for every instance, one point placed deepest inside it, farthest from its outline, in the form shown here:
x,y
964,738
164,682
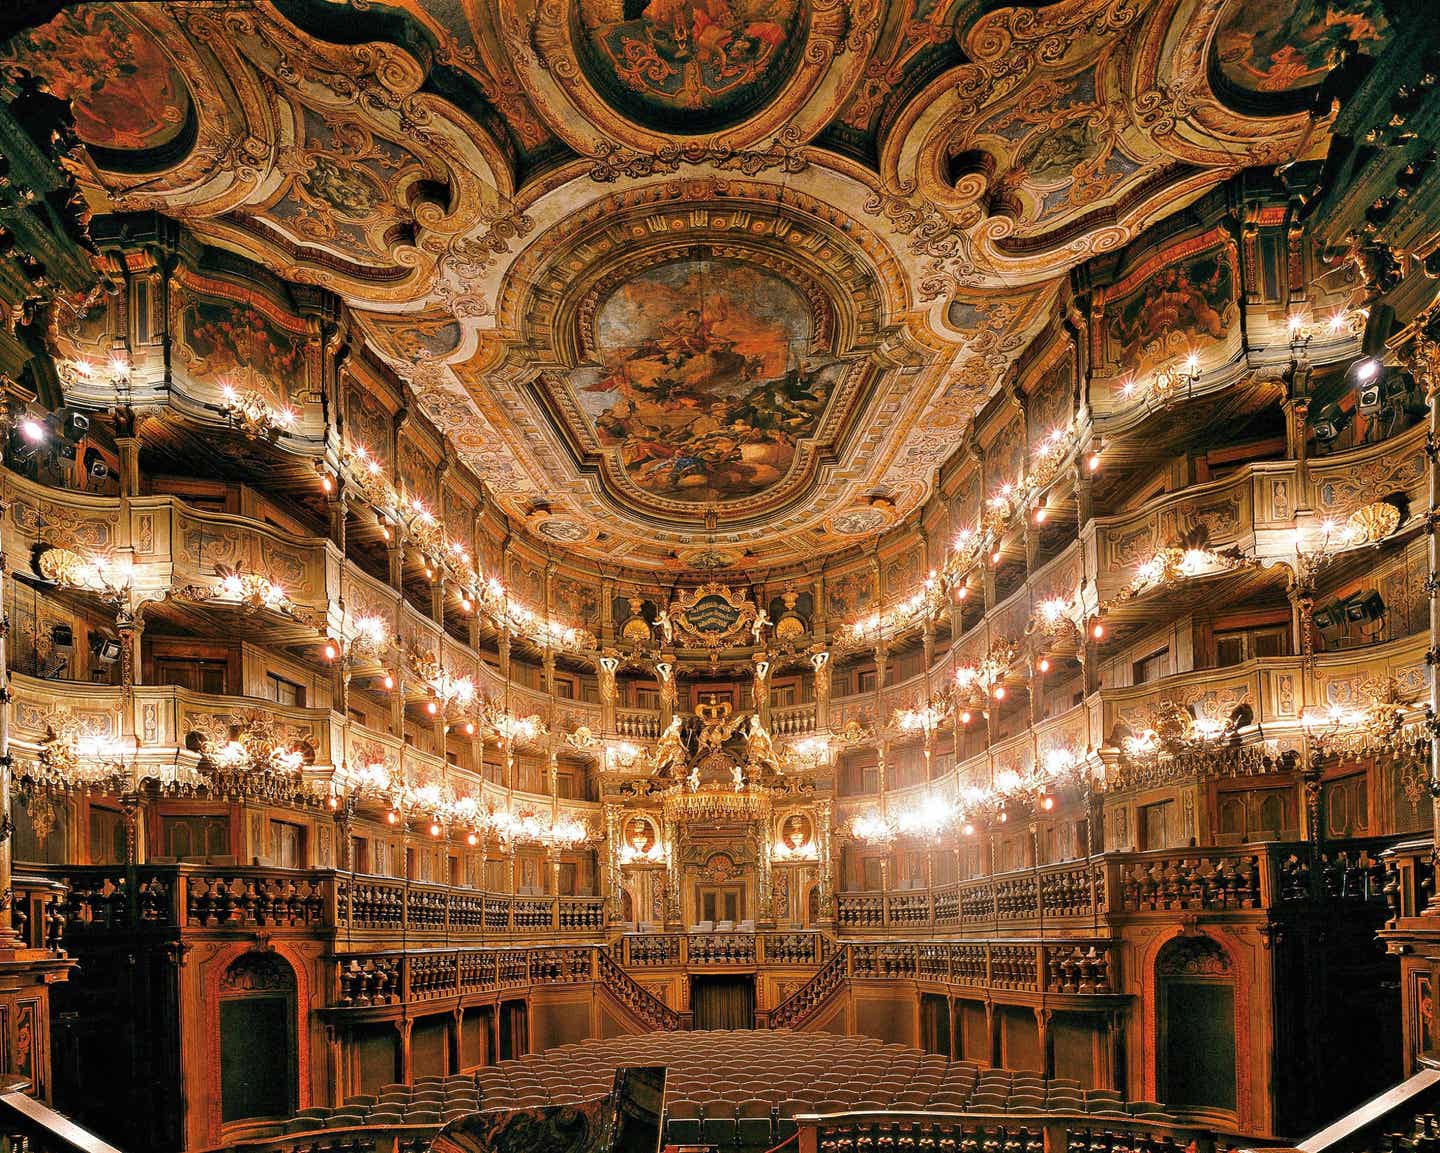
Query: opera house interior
x,y
829,576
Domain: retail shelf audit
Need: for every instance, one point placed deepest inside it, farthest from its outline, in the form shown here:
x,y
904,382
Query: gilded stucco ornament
x,y
908,190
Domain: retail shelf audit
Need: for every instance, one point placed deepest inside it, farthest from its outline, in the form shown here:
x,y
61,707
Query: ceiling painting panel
x,y
699,285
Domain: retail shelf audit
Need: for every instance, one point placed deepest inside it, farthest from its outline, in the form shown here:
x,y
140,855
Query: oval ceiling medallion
x,y
688,68
708,377
860,521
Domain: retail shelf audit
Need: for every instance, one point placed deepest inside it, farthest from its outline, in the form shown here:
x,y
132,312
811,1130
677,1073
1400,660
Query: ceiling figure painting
x,y
1282,45
124,93
646,260
687,66
707,378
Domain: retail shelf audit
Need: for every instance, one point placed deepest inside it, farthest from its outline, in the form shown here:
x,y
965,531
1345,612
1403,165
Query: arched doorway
x,y
258,1064
1195,1025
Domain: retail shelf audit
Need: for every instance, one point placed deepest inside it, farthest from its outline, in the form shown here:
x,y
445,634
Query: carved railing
x,y
636,725
1080,968
807,1000
1046,1132
38,911
214,898
1073,890
1111,887
719,950
858,1132
1409,885
417,975
635,997
792,721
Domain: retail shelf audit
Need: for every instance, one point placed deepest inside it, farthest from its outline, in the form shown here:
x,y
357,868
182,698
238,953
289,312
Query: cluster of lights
x,y
370,636
110,576
251,591
436,809
1302,329
654,855
1165,384
249,744
1025,497
932,815
477,590
253,415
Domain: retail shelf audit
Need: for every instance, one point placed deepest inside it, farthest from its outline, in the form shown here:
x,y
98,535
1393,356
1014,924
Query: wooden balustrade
x,y
792,721
392,978
38,911
719,950
1409,884
213,898
1069,890
1112,886
637,726
1080,967
1047,1132
634,996
807,1000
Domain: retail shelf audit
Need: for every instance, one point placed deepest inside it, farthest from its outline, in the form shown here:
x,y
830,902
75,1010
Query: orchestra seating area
x,y
732,1087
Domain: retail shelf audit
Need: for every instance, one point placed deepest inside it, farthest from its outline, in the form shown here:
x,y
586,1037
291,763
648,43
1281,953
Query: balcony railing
x,y
861,1132
219,899
719,950
1111,887
1077,968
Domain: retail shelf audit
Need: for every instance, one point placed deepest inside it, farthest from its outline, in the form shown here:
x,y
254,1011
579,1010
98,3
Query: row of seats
x,y
733,1087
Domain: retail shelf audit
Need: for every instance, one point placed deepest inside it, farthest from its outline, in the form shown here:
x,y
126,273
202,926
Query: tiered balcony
x,y
1102,893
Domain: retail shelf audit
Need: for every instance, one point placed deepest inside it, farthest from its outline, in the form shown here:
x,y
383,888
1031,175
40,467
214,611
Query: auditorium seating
x,y
732,1088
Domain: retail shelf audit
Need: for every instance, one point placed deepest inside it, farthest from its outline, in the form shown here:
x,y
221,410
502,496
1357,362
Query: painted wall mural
x,y
708,379
687,66
1181,307
1282,45
237,345
124,92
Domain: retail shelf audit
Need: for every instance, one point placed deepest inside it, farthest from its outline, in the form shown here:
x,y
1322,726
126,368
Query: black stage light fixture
x,y
1329,422
95,464
1365,606
1367,377
76,425
105,649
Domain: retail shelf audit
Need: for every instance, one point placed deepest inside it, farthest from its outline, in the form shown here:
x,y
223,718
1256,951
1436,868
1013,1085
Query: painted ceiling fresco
x,y
715,282
707,379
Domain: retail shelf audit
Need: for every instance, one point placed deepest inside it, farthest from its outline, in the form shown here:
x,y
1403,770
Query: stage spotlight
x,y
105,650
1328,423
1365,606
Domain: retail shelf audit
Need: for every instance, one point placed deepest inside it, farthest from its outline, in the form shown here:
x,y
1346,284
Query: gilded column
x,y
8,937
1427,369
